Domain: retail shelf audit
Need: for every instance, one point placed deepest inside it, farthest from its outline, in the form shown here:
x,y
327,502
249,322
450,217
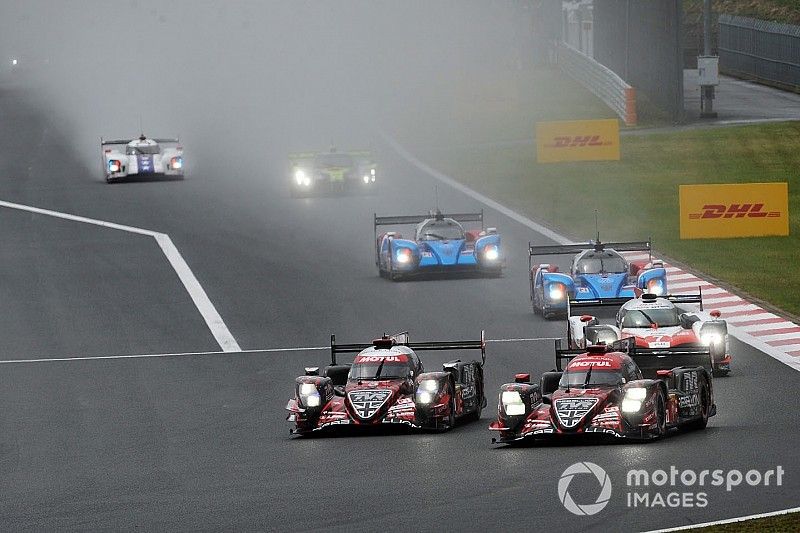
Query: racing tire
x,y
705,407
548,383
450,422
661,415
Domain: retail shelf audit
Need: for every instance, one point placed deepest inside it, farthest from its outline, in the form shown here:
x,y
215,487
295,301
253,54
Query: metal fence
x,y
601,80
757,49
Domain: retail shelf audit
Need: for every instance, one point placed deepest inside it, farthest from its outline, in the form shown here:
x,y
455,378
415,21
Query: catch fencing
x,y
768,52
600,80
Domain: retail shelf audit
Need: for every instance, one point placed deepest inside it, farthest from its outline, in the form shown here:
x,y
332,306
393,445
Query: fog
x,y
251,80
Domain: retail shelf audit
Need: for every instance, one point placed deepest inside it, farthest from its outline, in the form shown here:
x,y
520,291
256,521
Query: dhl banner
x,y
577,140
734,210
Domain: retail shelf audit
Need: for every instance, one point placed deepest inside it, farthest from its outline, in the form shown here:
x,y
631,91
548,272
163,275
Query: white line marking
x,y
777,336
766,327
226,353
525,221
683,276
722,299
688,285
741,335
745,318
212,318
727,521
199,297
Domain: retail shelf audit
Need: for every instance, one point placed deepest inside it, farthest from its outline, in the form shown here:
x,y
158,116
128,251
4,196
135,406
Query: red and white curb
x,y
768,332
765,331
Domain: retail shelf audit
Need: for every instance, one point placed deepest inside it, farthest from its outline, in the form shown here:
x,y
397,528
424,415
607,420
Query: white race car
x,y
141,157
666,328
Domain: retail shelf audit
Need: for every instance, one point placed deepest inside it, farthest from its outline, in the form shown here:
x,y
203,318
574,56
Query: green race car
x,y
331,172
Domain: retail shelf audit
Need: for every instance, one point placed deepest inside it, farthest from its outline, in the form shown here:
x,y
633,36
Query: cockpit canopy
x,y
600,262
383,365
444,229
143,149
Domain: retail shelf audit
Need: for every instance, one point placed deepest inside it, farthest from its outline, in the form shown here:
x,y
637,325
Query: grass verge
x,y
636,197
771,524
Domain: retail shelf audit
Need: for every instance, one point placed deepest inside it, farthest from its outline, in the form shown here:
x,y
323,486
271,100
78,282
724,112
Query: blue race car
x,y
598,270
440,244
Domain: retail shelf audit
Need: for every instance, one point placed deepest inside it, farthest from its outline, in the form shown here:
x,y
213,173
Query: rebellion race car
x,y
141,157
602,393
331,172
386,384
667,330
439,245
598,270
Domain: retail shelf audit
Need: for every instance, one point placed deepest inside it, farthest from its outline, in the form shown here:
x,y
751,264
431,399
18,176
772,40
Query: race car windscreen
x,y
605,263
335,160
147,149
577,378
441,230
379,370
645,318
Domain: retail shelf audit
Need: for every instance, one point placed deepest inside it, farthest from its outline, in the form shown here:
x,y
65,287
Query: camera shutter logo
x,y
590,508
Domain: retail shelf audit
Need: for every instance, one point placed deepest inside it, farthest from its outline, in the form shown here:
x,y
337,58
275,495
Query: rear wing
x,y
576,248
649,360
416,219
160,140
677,299
402,339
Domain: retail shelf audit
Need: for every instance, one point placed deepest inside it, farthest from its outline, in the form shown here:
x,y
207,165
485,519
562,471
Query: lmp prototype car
x,y
386,384
141,157
439,245
666,330
331,172
602,393
598,270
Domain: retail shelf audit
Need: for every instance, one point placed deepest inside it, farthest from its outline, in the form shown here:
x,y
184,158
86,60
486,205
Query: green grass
x,y
637,197
462,129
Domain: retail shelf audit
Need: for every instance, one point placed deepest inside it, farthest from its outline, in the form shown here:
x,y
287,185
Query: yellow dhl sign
x,y
734,210
577,140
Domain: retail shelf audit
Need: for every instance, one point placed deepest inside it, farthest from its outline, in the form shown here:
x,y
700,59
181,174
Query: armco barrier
x,y
600,80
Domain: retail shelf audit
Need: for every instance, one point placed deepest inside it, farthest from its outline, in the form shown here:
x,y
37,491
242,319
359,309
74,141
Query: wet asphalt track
x,y
200,442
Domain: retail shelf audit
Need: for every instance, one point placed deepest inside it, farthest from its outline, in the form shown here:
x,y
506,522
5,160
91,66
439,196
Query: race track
x,y
200,442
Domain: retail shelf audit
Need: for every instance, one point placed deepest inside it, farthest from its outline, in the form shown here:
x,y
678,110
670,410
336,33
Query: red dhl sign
x,y
577,140
734,210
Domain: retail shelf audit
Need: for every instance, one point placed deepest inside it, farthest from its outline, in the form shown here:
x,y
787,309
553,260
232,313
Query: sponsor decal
x,y
586,363
366,403
577,140
145,163
570,411
734,210
658,344
380,358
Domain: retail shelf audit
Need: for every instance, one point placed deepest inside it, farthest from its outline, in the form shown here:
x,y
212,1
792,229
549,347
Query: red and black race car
x,y
386,384
601,393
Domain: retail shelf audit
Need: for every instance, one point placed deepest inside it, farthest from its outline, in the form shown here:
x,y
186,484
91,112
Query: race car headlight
x,y
372,171
556,291
366,178
302,178
309,395
491,252
636,393
656,286
403,256
512,403
711,338
176,163
427,390
430,385
631,406
114,165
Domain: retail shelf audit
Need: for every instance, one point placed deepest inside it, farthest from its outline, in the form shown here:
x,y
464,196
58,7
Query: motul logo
x,y
379,358
576,364
734,211
571,141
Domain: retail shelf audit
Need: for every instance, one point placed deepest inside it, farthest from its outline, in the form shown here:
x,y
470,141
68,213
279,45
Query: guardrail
x,y
600,80
764,51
